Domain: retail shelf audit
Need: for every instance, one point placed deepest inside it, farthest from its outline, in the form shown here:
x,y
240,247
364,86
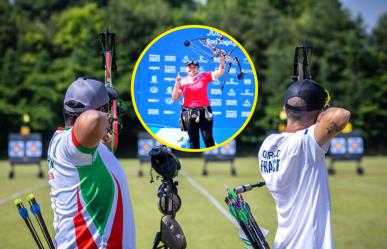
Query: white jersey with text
x,y
89,196
293,167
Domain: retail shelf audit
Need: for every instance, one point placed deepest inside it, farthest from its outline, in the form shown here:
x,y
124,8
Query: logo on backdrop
x,y
245,114
231,114
153,100
154,79
231,102
153,68
231,92
170,58
247,81
216,91
169,69
216,102
202,59
169,79
247,93
154,58
154,89
247,103
232,82
154,112
169,101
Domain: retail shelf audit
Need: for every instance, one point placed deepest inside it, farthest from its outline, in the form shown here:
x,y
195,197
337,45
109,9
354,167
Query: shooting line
x,y
23,192
214,202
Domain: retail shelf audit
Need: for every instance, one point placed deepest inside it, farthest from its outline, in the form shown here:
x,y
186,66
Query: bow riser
x,y
109,64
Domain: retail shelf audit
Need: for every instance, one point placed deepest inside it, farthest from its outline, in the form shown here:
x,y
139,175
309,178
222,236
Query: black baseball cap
x,y
315,97
192,62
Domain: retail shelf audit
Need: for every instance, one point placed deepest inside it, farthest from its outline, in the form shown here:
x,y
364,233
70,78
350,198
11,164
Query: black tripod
x,y
170,234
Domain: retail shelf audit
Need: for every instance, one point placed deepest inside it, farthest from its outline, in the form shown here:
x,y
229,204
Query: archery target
x,y
338,145
355,145
229,148
34,148
144,146
211,152
16,149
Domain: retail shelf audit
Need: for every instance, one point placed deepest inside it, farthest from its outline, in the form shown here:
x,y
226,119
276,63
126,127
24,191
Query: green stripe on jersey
x,y
97,190
87,150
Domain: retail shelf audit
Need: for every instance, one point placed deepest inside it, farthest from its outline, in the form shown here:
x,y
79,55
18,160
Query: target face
x,y
144,146
34,148
228,149
355,145
16,149
211,152
338,145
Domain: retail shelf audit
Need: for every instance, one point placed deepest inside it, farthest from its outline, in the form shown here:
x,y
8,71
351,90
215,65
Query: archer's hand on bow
x,y
107,139
222,58
220,71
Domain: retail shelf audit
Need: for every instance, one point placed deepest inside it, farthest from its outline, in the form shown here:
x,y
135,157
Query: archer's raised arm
x,y
90,127
176,93
330,123
220,71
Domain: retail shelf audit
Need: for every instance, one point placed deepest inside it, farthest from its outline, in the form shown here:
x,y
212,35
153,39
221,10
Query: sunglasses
x,y
192,62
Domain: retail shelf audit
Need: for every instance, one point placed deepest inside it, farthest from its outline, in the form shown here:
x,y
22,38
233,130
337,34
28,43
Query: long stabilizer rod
x,y
247,187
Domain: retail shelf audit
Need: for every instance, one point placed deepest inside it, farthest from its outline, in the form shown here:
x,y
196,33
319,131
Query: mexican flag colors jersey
x,y
89,196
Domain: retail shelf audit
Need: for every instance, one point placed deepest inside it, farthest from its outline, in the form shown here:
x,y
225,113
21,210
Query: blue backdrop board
x,y
155,77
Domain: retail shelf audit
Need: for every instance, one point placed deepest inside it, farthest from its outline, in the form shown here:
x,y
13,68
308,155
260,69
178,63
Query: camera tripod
x,y
170,234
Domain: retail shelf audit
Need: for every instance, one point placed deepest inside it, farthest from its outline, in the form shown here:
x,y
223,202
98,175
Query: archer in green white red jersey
x,y
89,195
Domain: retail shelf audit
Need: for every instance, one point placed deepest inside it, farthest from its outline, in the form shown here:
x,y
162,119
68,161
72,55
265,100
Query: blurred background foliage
x,y
45,45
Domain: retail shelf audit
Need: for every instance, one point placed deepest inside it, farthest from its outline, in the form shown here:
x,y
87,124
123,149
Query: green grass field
x,y
359,204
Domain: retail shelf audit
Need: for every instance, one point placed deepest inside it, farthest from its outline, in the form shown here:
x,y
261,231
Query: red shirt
x,y
194,90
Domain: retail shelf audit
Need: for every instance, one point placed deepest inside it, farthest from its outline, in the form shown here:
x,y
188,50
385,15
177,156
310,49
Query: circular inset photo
x,y
194,88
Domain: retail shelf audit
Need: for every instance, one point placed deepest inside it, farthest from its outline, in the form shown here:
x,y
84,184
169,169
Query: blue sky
x,y
370,10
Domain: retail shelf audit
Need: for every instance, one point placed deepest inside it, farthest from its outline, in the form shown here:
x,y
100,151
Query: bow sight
x,y
167,165
302,57
301,67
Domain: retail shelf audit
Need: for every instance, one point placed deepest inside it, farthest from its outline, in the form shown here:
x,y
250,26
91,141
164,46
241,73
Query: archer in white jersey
x,y
293,166
89,192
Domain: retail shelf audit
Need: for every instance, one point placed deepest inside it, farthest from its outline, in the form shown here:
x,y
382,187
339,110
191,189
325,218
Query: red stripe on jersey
x,y
82,234
75,141
115,239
